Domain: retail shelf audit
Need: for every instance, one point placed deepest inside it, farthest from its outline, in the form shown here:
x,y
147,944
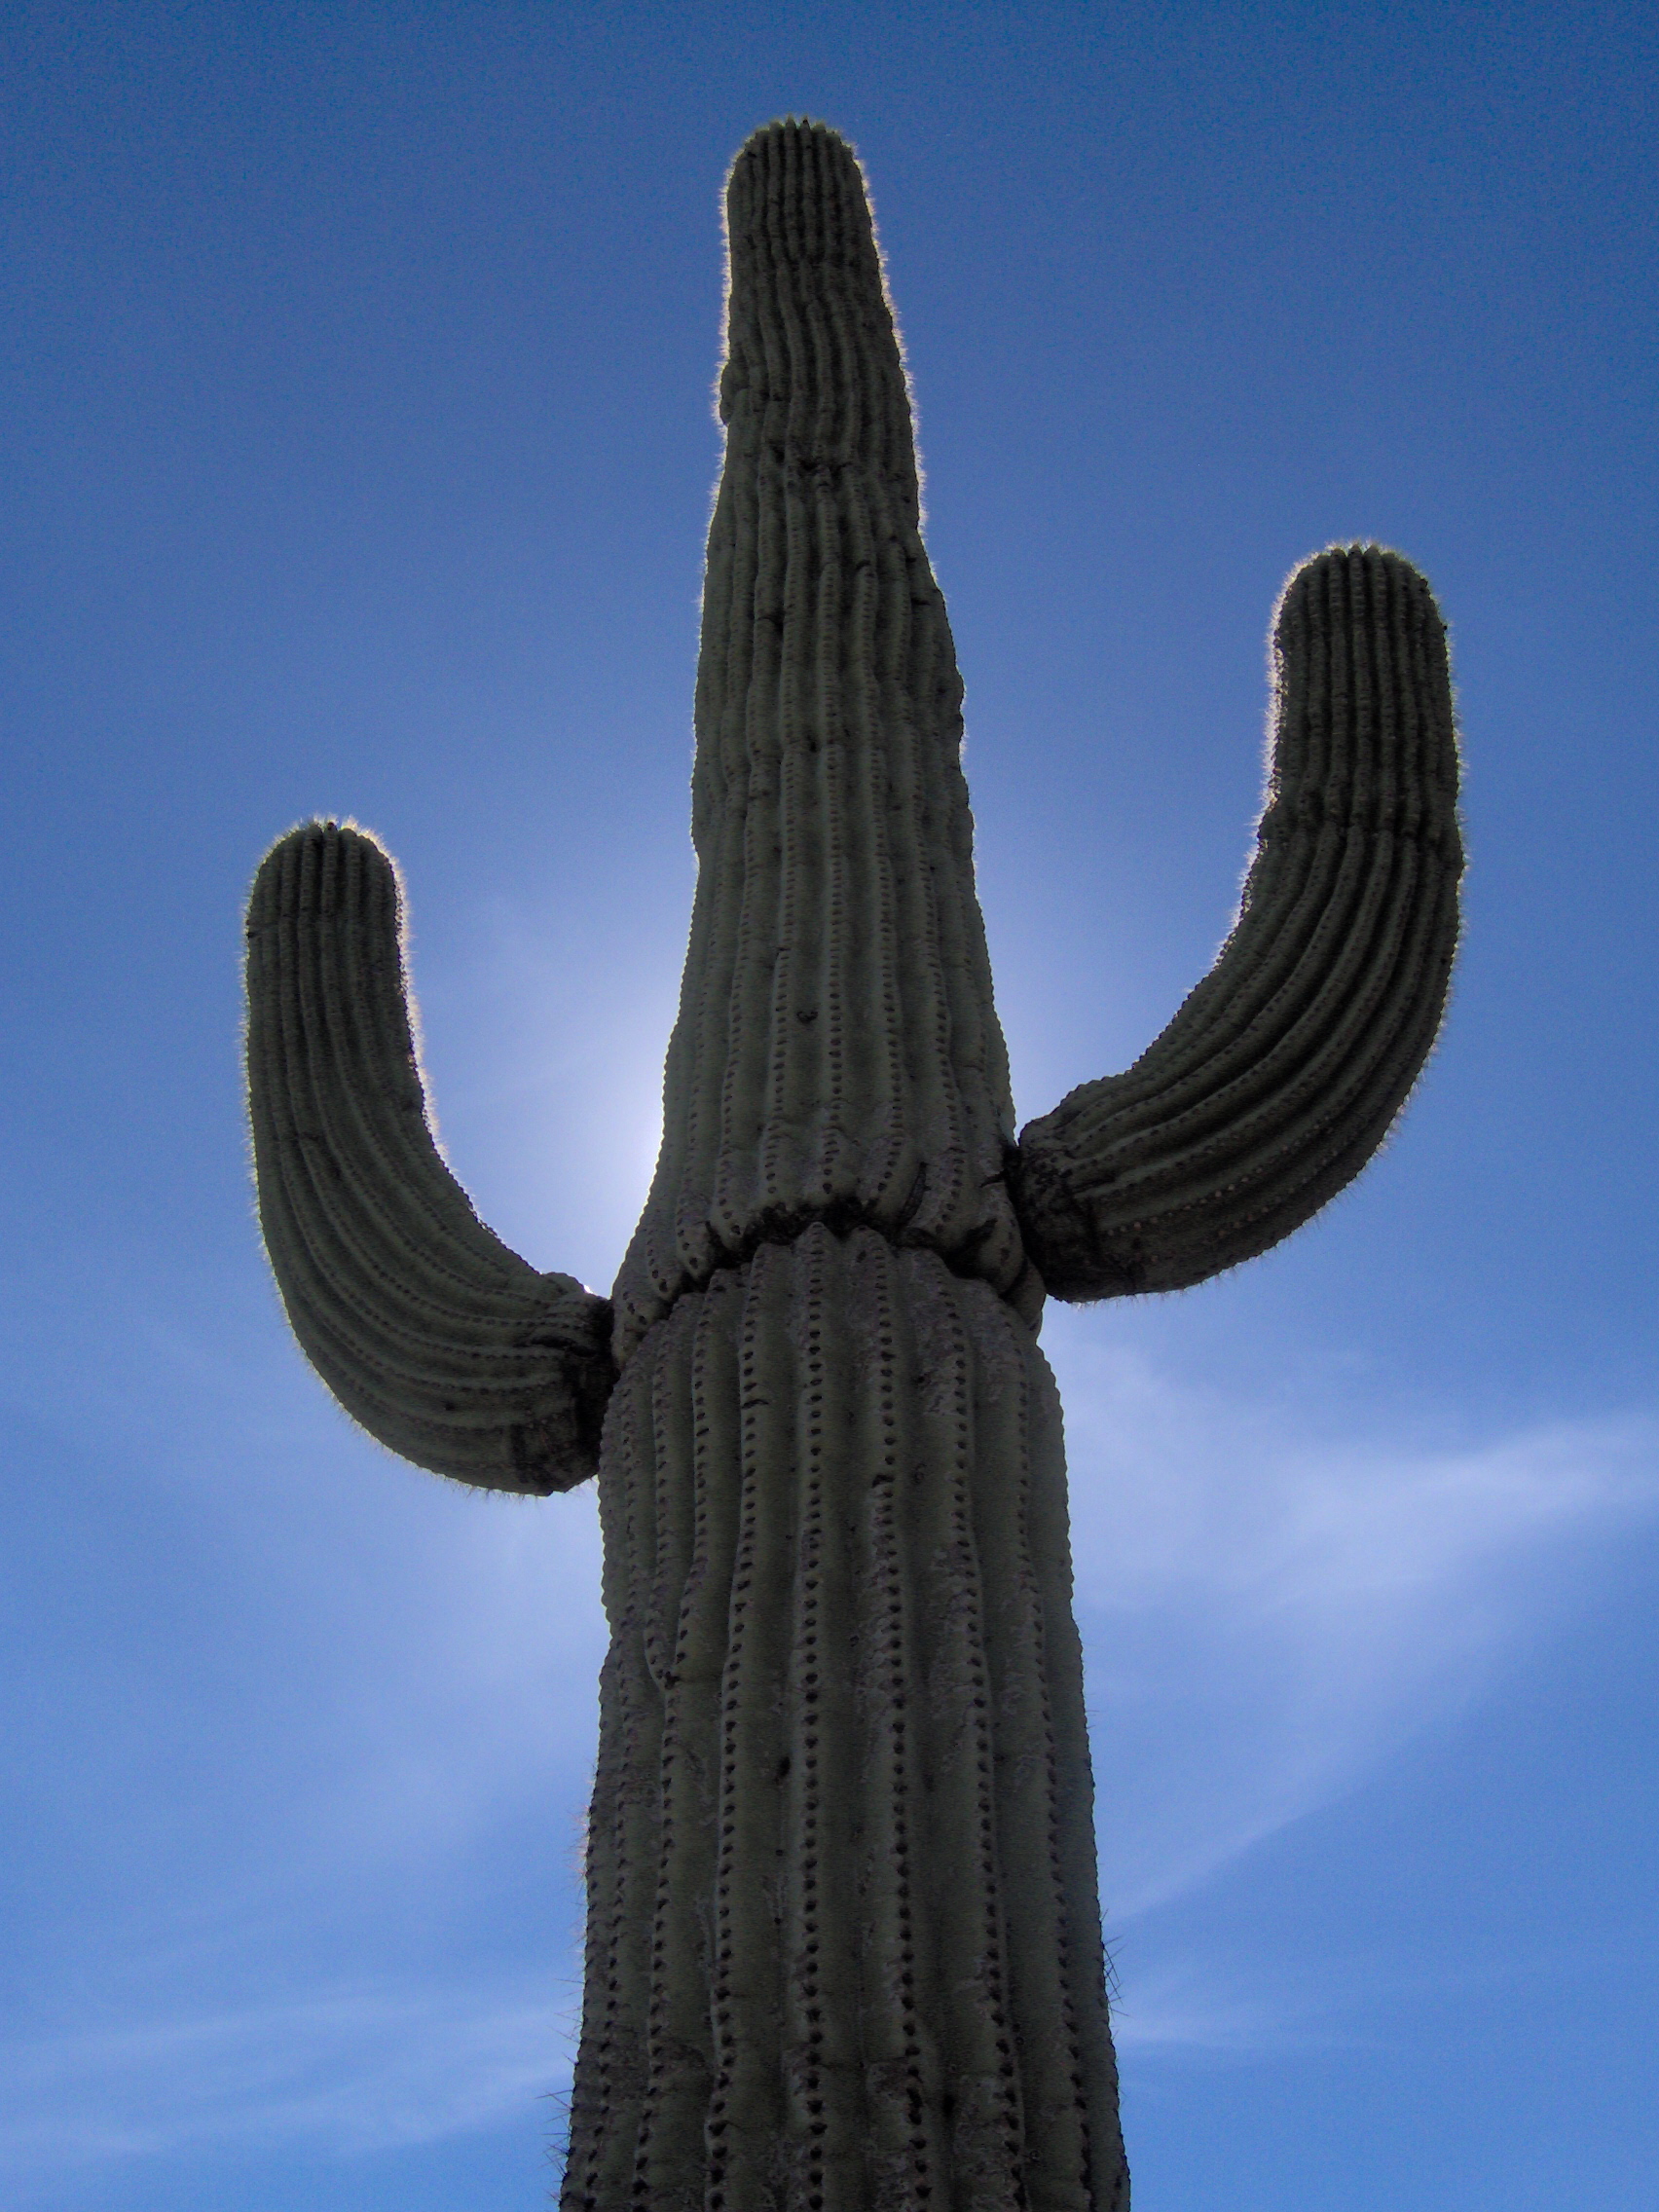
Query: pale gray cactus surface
x,y
843,1948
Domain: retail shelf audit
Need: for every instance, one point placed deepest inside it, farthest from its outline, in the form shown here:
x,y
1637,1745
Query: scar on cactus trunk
x,y
843,1945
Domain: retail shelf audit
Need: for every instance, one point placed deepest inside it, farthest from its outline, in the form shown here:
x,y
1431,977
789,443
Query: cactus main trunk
x,y
844,1947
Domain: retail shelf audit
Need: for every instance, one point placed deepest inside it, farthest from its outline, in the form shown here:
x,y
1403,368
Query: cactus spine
x,y
843,1941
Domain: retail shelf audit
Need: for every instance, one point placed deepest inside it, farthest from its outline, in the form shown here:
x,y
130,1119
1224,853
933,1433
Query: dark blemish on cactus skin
x,y
912,1205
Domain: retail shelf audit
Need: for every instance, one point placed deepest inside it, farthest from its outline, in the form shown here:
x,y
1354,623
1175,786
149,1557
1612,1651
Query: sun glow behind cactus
x,y
587,1022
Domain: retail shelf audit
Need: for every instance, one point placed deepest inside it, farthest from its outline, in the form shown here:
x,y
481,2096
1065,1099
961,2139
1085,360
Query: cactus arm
x,y
444,1344
1281,1073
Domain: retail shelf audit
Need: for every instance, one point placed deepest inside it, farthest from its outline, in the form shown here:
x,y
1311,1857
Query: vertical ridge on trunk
x,y
846,1945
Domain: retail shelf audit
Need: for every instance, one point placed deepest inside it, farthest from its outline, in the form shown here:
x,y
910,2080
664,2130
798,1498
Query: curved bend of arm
x,y
444,1344
1281,1073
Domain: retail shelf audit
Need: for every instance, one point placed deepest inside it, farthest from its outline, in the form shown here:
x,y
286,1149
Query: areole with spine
x,y
844,1943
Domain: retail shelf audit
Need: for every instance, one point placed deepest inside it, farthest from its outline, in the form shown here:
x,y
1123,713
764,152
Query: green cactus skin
x,y
843,1943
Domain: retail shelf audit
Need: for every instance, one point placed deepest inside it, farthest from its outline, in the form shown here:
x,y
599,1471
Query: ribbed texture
x,y
837,1054
1280,1074
444,1344
843,1939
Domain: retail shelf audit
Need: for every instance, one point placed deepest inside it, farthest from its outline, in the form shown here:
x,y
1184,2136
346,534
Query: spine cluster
x,y
844,1946
837,1055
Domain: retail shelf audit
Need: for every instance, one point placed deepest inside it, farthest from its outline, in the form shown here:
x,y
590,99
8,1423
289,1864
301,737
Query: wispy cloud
x,y
1178,2007
1268,1612
365,2068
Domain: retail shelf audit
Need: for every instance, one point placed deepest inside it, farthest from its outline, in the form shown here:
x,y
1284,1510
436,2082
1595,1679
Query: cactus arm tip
x,y
440,1342
1281,1074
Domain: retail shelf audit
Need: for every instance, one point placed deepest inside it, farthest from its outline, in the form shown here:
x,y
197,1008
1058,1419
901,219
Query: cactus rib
x,y
444,1344
1281,1073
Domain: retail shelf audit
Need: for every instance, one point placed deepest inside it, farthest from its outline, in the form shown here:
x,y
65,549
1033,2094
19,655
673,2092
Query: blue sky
x,y
356,368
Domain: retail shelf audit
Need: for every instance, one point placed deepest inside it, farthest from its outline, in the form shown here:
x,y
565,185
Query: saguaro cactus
x,y
843,1941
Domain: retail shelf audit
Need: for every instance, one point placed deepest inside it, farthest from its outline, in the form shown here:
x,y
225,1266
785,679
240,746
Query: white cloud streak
x,y
1269,1613
359,2069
